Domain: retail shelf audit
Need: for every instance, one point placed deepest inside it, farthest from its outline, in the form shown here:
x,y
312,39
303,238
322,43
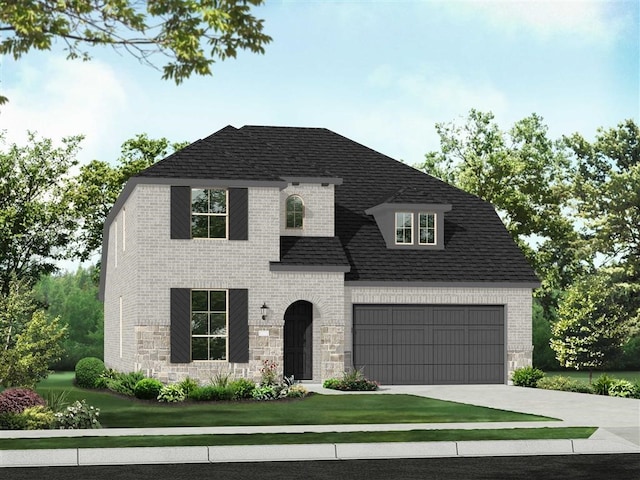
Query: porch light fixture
x,y
263,311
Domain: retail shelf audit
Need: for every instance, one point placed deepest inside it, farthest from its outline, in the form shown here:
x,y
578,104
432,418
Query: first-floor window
x,y
427,229
404,228
209,315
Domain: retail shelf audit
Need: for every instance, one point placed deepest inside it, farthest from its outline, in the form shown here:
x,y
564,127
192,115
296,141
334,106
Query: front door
x,y
298,340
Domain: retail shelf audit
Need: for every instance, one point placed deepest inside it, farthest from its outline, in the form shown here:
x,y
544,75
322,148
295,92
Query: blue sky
x,y
381,73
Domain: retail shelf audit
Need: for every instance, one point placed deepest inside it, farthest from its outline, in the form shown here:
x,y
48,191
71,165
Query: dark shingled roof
x,y
477,246
312,251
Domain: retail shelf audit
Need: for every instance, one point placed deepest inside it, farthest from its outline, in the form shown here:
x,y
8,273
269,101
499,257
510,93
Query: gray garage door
x,y
429,344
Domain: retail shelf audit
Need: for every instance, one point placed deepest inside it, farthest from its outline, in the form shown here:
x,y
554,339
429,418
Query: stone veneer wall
x,y
517,303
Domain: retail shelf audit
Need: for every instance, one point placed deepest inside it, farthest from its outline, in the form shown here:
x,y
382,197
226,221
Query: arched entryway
x,y
298,340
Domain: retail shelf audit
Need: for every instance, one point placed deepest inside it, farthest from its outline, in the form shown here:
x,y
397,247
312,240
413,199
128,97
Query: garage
x,y
430,344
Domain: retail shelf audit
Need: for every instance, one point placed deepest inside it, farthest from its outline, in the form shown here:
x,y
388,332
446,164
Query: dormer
x,y
307,206
411,219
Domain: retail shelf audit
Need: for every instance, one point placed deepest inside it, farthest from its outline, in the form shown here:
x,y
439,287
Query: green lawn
x,y
632,376
117,411
299,438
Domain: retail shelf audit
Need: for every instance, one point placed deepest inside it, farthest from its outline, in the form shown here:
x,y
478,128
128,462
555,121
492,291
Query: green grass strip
x,y
299,438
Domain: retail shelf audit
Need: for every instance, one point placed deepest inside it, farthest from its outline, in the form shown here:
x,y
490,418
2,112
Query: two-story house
x,y
302,247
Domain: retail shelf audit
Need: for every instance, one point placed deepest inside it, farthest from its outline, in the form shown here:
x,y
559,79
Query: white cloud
x,y
60,98
591,20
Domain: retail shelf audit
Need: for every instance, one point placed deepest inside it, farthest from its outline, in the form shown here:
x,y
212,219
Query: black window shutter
x,y
180,212
239,325
180,330
238,214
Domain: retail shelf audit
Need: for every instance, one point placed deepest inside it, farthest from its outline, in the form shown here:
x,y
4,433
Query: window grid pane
x,y
404,228
427,229
208,213
209,325
294,212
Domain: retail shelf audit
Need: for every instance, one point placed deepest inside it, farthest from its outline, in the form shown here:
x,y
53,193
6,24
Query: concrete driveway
x,y
615,416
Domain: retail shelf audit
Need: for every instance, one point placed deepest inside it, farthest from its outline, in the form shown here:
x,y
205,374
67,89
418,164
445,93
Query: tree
x,y
191,34
597,314
98,185
607,193
73,298
36,224
30,342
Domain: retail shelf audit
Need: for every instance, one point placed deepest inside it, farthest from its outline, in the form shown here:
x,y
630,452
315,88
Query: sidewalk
x,y
618,420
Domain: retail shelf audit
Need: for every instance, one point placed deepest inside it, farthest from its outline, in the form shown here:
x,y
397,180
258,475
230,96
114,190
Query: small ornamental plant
x,y
269,373
78,415
16,400
351,381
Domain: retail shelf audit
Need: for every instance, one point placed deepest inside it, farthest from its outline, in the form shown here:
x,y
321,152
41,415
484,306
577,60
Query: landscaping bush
x,y
12,421
265,392
565,384
88,370
601,385
172,393
242,388
210,393
296,391
623,388
526,377
268,373
16,400
351,381
125,383
38,418
103,379
78,415
148,389
187,385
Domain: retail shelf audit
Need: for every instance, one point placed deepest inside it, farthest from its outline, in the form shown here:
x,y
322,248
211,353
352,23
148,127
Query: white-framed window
x,y
208,213
404,228
295,211
427,229
209,325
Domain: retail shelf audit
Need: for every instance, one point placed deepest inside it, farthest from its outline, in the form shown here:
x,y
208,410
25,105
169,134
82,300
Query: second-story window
x,y
295,211
208,213
427,228
404,228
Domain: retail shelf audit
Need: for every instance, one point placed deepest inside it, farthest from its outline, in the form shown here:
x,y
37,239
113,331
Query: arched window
x,y
295,211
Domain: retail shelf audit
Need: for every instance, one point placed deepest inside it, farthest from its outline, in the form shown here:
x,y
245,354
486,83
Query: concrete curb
x,y
327,451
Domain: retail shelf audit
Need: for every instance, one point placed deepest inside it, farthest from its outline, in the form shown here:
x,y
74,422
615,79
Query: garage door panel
x,y
486,336
410,316
430,344
374,336
484,355
412,374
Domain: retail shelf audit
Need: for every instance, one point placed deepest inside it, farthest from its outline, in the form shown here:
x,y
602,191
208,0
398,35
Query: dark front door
x,y
298,340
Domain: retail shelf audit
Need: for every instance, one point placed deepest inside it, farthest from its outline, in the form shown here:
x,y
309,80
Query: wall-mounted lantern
x,y
263,311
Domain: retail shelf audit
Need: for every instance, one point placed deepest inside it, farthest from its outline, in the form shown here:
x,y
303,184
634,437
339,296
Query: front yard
x,y
123,412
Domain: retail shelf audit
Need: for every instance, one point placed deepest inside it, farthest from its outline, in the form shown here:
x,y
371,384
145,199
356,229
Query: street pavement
x,y
617,419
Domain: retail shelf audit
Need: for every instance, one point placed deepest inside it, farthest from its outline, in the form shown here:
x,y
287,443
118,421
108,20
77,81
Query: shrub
x,y
622,388
78,415
38,418
351,381
16,400
147,389
265,392
108,374
172,393
12,421
211,392
56,401
297,391
221,380
242,388
526,377
88,370
601,384
187,385
565,384
125,383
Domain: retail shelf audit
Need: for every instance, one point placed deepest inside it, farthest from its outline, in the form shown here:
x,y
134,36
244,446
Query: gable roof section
x,y
478,249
